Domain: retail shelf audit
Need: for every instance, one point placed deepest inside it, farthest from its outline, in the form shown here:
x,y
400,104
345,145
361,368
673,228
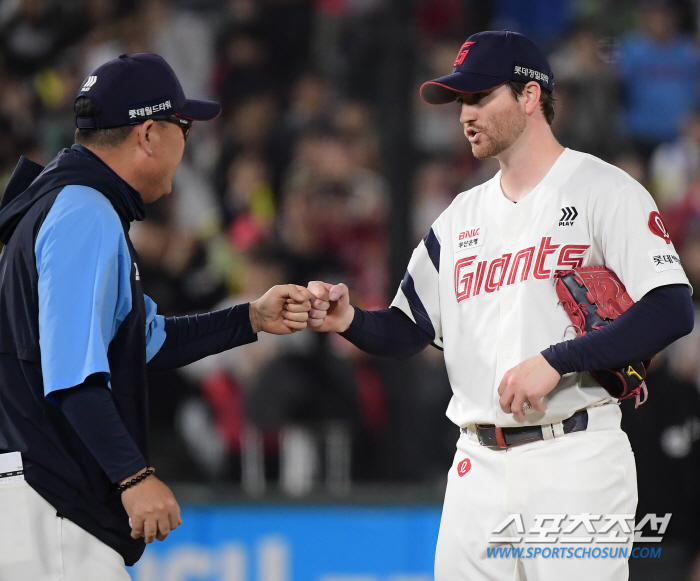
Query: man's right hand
x,y
152,509
330,309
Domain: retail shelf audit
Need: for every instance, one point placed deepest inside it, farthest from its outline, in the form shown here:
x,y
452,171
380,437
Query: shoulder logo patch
x,y
665,260
568,215
657,226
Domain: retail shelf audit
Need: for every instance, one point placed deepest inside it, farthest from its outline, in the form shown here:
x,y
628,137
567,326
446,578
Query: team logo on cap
x,y
463,52
91,80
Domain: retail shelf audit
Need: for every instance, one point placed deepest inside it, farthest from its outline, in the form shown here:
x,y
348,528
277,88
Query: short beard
x,y
500,133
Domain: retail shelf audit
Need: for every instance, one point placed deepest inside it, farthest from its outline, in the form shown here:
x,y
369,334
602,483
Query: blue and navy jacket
x,y
71,306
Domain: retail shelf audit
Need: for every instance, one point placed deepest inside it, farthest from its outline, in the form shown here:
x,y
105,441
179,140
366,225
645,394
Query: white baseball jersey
x,y
481,282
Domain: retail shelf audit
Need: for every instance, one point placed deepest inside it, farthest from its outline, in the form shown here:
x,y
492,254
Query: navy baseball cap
x,y
487,60
132,88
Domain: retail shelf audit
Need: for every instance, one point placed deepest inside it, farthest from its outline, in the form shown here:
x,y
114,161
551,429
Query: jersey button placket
x,y
513,227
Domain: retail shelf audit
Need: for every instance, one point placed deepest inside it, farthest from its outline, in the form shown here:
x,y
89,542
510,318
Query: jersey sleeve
x,y
418,296
635,242
155,328
84,266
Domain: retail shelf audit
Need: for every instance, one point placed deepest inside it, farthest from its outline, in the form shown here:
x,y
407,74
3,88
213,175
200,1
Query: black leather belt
x,y
492,436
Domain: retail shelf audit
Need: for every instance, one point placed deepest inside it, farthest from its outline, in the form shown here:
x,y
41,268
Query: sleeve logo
x,y
657,226
665,260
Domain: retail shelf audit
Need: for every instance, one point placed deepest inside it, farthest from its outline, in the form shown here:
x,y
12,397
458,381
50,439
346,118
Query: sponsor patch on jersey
x,y
464,466
469,238
665,260
568,215
657,226
11,469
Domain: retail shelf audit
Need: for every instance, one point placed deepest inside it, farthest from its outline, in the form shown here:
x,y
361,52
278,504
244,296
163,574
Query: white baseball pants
x,y
592,471
36,545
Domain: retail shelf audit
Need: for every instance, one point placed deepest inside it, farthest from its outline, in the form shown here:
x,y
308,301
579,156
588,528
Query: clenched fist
x,y
282,310
330,307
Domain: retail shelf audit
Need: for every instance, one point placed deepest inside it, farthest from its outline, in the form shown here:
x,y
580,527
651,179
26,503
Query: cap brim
x,y
446,89
200,110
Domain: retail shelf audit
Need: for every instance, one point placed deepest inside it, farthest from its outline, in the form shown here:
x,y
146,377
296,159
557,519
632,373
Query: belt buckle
x,y
491,436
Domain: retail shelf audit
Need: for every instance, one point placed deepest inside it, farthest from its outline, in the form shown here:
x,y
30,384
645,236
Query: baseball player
x,y
538,436
78,499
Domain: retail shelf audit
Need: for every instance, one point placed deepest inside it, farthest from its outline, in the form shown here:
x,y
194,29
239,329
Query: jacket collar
x,y
75,166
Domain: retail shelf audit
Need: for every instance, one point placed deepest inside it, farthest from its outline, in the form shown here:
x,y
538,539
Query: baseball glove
x,y
593,297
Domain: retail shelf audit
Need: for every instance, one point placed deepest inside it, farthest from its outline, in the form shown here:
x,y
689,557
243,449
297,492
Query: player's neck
x,y
121,161
525,164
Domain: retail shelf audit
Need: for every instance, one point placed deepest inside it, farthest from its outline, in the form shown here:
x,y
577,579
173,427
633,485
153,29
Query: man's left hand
x,y
525,385
282,310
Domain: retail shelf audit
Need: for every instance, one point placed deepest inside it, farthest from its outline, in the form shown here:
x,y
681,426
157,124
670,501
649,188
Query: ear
x,y
531,95
144,136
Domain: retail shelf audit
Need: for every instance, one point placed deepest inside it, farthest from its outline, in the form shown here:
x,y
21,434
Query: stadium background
x,y
300,457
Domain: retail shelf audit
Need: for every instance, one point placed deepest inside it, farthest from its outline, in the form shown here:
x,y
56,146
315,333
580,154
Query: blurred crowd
x,y
289,185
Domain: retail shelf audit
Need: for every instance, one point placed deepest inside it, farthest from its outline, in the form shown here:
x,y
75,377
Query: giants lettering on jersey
x,y
489,276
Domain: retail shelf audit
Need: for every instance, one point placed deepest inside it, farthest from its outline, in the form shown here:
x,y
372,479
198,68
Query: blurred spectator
x,y
353,121
432,196
690,255
665,436
438,130
241,70
343,56
184,40
632,163
541,20
417,441
55,90
33,31
659,71
18,108
586,95
674,166
249,206
174,268
438,19
334,212
683,218
230,378
287,25
310,109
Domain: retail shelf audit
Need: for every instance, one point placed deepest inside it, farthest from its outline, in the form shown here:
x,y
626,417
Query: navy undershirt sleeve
x,y
193,337
91,412
386,333
660,317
